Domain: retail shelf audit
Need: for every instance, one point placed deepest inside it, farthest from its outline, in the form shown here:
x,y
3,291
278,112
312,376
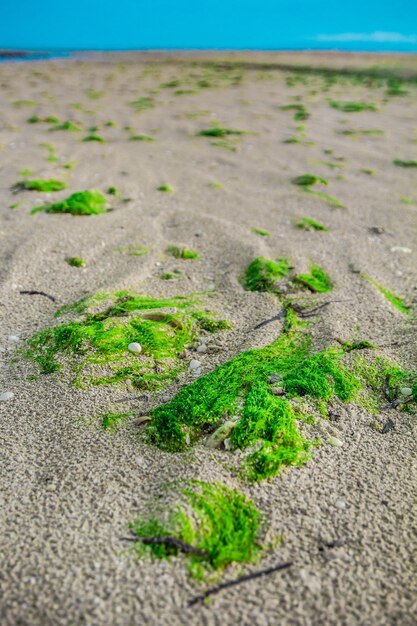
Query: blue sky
x,y
261,24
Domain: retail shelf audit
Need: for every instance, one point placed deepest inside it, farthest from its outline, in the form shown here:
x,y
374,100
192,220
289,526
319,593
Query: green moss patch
x,y
263,274
68,126
261,231
75,261
307,223
165,188
317,280
34,184
401,163
349,106
142,104
219,131
92,347
111,421
220,524
181,252
94,137
35,119
90,202
306,180
132,249
395,300
146,138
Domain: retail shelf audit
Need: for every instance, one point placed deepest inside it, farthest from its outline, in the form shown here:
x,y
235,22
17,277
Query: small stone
x,y
13,338
406,391
389,425
376,426
354,268
274,378
340,504
202,348
278,391
401,249
142,419
196,372
334,441
6,395
194,364
134,347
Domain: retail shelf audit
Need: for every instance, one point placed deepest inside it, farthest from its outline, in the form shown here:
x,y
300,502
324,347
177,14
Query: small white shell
x,y
134,347
6,395
334,441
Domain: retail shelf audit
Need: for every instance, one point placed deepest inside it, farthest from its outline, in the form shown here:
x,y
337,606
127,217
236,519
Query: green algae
x,y
317,280
406,200
219,522
67,125
165,188
94,137
222,143
215,185
262,274
306,180
395,300
261,231
132,249
145,138
50,119
402,163
92,347
111,421
142,104
350,106
35,184
93,94
334,202
75,261
90,202
181,252
219,131
300,111
26,172
307,223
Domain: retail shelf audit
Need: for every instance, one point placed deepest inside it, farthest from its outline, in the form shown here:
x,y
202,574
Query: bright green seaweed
x,y
90,202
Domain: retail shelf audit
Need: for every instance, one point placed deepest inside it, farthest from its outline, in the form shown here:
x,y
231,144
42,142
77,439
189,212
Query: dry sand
x,y
68,489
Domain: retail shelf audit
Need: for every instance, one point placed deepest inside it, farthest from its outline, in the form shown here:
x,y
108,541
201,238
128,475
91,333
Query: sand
x,y
68,489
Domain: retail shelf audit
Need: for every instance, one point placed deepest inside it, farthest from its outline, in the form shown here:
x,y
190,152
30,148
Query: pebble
x,y
274,378
202,348
136,348
194,364
401,249
278,391
196,372
13,338
340,504
6,395
406,391
334,441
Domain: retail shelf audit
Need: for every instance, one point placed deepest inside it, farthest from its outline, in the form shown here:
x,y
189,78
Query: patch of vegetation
x,y
215,185
181,252
300,111
166,188
360,132
334,202
50,119
52,157
94,137
219,131
35,184
142,138
68,126
113,191
141,104
75,261
395,300
350,106
26,172
261,231
90,202
19,104
174,275
406,200
93,94
395,88
307,223
221,525
369,172
110,421
263,274
306,180
226,145
317,280
132,249
401,163
92,346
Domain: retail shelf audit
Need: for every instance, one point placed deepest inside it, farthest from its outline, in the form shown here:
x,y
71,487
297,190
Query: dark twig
x,y
238,581
33,292
281,315
182,546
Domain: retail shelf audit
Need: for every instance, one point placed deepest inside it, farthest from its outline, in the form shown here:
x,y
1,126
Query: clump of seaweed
x,y
395,300
165,188
67,125
219,131
50,119
93,346
261,231
94,137
306,180
402,163
307,223
35,184
90,202
143,103
146,138
110,421
317,280
350,106
300,111
181,252
75,261
132,249
212,525
263,274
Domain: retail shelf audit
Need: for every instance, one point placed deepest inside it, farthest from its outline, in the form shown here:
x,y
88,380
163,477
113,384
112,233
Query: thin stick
x,y
238,581
281,315
33,292
182,546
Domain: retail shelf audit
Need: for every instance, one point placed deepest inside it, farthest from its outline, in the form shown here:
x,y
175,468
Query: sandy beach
x,y
68,487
